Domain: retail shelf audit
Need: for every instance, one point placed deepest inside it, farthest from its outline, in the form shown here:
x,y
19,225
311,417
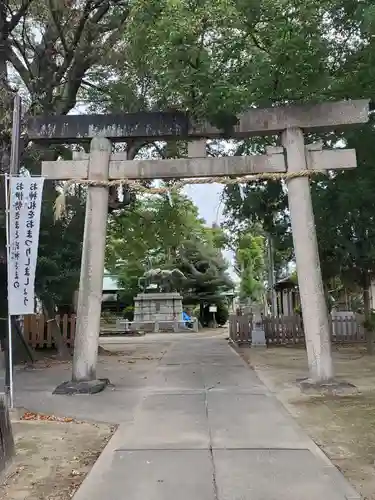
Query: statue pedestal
x,y
158,311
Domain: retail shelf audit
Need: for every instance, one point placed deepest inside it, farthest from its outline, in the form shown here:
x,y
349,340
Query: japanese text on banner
x,y
24,222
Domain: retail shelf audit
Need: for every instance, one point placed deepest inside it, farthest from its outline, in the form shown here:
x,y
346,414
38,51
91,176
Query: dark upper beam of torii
x,y
177,125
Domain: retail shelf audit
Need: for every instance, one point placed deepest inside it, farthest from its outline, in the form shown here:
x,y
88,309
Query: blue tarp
x,y
186,317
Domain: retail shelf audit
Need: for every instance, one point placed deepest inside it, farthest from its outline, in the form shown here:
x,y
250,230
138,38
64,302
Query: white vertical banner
x,y
25,201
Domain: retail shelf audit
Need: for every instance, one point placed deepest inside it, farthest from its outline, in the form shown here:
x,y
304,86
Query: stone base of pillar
x,y
331,387
85,387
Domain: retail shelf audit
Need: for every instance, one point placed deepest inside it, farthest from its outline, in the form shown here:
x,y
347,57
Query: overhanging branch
x,y
19,66
58,26
15,19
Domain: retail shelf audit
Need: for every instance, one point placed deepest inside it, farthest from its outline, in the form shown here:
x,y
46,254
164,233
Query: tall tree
x,y
50,47
250,265
345,217
206,272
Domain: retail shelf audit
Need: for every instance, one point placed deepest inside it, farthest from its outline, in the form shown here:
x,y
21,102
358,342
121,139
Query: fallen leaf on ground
x,y
49,418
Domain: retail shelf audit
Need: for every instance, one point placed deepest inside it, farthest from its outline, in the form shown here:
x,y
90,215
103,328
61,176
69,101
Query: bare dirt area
x,y
53,458
343,426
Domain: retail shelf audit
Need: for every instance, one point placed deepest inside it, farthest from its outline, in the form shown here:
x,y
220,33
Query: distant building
x,y
111,289
287,296
110,296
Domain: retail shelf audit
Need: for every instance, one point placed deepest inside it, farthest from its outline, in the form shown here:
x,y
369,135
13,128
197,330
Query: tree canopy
x,y
47,50
343,205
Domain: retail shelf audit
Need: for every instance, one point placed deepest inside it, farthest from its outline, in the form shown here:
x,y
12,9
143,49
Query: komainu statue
x,y
166,280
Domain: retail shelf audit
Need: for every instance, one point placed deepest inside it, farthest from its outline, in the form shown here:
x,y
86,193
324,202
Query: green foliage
x,y
217,237
128,313
205,270
206,318
51,45
216,58
345,214
264,204
156,234
60,246
343,203
250,264
222,314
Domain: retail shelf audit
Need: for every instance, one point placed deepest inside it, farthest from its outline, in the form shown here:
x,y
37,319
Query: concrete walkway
x,y
206,428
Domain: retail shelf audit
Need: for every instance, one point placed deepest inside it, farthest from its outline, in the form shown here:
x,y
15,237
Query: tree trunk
x,y
49,311
369,330
201,313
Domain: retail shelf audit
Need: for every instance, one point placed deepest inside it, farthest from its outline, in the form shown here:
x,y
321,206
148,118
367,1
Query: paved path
x,y
205,428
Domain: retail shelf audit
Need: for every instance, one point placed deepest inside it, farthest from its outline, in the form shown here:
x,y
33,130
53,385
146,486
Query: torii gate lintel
x,y
149,126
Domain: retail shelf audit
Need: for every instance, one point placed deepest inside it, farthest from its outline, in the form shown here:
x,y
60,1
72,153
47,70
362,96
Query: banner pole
x,y
13,170
10,352
10,347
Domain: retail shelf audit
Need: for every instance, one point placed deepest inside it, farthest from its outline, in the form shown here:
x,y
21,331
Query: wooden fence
x,y
38,332
279,331
283,330
240,328
288,330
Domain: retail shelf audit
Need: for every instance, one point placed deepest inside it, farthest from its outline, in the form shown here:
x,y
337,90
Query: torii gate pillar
x,y
91,279
314,308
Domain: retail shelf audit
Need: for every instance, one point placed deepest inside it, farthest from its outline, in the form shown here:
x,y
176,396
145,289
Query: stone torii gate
x,y
101,165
